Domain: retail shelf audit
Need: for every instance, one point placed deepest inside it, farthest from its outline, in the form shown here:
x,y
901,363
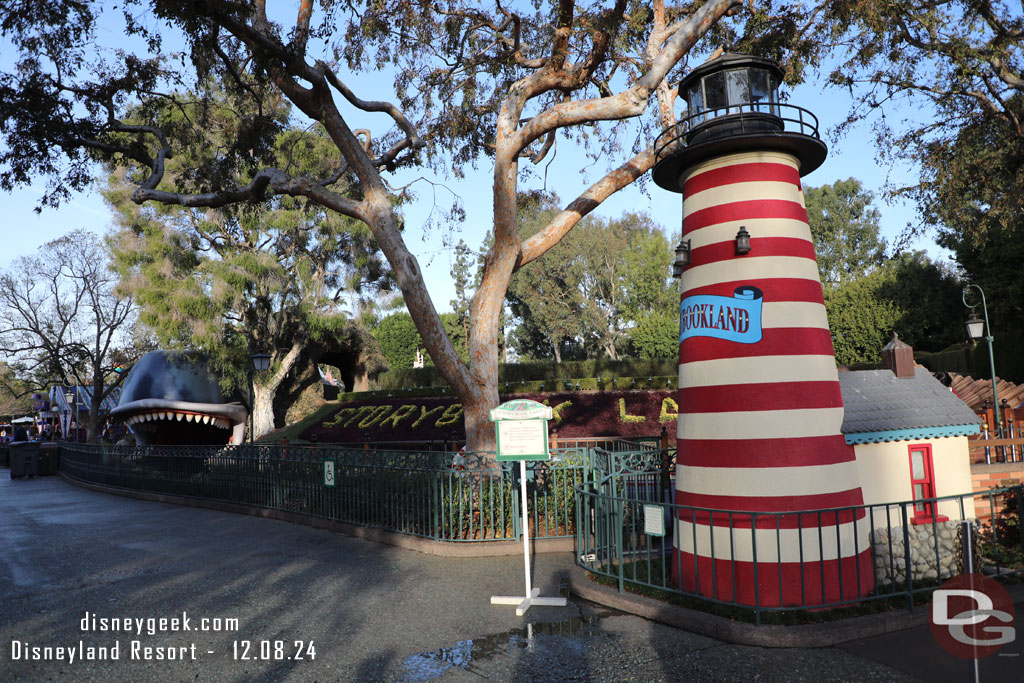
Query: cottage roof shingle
x,y
882,407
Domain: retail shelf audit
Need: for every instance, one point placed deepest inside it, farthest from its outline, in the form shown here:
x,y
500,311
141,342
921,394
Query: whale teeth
x,y
179,416
206,419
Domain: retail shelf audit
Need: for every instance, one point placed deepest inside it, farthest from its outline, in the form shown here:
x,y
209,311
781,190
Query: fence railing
x,y
895,555
989,450
418,493
616,444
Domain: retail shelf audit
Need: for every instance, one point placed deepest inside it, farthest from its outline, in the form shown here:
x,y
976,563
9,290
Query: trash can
x,y
5,455
24,459
48,459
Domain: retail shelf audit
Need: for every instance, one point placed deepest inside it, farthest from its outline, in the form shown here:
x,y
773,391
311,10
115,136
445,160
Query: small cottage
x,y
909,433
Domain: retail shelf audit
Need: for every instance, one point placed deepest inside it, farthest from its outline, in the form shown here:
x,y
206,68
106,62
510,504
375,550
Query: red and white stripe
x,y
759,425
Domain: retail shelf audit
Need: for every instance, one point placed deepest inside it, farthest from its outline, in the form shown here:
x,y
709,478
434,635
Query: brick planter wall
x,y
985,477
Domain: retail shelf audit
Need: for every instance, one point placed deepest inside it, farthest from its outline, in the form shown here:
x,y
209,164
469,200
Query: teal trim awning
x,y
914,434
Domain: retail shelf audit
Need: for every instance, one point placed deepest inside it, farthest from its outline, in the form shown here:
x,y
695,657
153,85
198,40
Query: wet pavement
x,y
79,569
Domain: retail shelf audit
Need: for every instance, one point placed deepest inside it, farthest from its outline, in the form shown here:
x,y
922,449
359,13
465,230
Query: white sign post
x,y
522,432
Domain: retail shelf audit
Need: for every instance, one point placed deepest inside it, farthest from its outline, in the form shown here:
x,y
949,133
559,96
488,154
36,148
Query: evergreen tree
x,y
274,276
844,226
399,341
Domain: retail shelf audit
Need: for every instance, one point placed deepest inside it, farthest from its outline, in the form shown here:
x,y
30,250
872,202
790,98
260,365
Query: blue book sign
x,y
735,319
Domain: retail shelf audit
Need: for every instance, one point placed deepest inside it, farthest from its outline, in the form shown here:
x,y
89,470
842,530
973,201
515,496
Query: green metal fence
x,y
908,558
417,493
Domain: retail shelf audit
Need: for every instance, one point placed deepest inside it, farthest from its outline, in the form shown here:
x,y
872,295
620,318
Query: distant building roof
x,y
975,392
882,407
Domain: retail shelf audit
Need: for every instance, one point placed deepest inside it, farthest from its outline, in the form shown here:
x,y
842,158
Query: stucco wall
x,y
885,473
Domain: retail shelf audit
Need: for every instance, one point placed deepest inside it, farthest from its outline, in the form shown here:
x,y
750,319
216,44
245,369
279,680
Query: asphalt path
x,y
322,606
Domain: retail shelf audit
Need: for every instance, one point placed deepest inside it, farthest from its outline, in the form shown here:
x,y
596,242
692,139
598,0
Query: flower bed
x,y
576,415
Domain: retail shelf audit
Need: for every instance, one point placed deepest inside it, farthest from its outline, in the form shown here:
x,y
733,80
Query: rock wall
x,y
928,560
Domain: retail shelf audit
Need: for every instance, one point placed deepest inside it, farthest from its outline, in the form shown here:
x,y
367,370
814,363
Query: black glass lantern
x,y
682,258
742,240
260,361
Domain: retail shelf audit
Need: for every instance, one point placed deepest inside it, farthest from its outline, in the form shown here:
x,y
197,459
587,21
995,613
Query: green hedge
x,y
651,382
956,358
605,370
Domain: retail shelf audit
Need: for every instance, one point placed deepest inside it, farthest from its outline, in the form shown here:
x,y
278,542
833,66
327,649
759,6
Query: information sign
x,y
654,520
522,430
330,473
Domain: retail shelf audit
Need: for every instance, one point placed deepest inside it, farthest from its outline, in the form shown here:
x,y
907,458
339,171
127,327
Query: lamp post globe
x,y
260,361
975,328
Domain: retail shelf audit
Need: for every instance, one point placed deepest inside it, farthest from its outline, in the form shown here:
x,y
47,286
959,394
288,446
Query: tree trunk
x,y
264,392
263,409
92,430
92,427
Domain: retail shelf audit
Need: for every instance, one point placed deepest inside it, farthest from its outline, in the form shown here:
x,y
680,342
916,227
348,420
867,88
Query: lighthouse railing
x,y
745,117
750,565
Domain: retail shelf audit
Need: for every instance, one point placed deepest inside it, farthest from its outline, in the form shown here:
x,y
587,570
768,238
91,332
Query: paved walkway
x,y
371,612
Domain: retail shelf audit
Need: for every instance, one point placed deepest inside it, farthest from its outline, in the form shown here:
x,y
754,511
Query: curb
x,y
382,536
822,634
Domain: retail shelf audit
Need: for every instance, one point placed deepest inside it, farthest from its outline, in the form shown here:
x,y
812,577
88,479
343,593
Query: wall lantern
x,y
742,241
682,258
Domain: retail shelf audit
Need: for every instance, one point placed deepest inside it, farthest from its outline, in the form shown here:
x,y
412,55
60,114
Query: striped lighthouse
x,y
760,409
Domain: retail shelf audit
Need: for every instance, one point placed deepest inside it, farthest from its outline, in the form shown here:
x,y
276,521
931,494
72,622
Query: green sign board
x,y
521,427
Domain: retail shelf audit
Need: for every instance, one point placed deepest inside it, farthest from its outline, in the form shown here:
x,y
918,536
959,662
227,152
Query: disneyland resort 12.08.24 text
x,y
137,648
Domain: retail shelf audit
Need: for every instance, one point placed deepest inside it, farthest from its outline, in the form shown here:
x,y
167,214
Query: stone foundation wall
x,y
925,562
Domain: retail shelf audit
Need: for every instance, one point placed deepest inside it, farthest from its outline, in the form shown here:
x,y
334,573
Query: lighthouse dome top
x,y
730,82
732,105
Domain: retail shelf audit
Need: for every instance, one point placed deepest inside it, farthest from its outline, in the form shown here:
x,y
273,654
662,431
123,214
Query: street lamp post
x,y
980,329
69,396
260,362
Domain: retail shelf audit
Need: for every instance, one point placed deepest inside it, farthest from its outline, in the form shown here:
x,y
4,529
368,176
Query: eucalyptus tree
x,y
942,82
495,85
60,319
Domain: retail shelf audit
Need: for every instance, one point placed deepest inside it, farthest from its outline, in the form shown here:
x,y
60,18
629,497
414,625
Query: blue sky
x,y
854,156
